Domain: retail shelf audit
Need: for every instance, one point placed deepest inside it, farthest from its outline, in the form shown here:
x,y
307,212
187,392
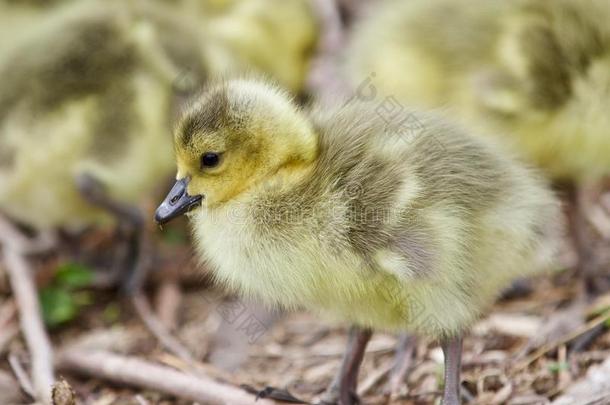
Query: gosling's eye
x,y
210,159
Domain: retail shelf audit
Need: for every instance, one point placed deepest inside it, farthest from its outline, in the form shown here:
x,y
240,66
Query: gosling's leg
x,y
452,350
402,363
342,390
582,237
578,199
130,224
589,270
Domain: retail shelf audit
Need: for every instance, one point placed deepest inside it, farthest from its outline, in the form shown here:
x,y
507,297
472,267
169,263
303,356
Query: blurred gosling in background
x,y
536,73
274,37
82,94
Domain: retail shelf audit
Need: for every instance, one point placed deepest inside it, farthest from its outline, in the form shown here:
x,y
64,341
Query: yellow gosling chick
x,y
408,224
86,103
274,37
78,97
536,73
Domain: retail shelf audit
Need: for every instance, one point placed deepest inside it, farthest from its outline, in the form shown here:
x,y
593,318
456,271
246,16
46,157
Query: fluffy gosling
x,y
342,212
274,37
80,98
536,73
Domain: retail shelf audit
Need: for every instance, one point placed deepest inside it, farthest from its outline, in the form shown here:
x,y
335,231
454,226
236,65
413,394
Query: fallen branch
x,y
136,372
26,297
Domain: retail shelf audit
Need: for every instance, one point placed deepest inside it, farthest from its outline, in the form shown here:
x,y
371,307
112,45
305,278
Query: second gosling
x,y
381,224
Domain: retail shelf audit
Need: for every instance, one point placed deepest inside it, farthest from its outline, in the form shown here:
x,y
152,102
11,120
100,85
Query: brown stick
x,y
26,297
141,373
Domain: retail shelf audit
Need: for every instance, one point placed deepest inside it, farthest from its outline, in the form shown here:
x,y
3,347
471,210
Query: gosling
x,y
85,105
402,224
536,73
274,37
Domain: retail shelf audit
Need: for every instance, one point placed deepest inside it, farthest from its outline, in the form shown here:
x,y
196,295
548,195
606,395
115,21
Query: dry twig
x,y
144,374
26,297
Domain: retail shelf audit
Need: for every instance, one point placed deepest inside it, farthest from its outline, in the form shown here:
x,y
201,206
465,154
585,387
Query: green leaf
x,y
555,366
74,275
58,306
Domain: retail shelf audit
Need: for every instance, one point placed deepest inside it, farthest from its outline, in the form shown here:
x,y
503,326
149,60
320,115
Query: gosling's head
x,y
235,135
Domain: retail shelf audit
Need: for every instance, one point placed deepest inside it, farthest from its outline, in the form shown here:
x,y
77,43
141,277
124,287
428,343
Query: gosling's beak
x,y
177,202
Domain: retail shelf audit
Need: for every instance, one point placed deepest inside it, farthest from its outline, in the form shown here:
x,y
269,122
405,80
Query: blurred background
x,y
106,307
